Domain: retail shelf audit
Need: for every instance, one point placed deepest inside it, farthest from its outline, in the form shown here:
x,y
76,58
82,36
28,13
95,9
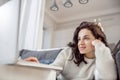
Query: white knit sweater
x,y
102,67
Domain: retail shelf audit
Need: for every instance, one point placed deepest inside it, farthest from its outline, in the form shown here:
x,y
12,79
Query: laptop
x,y
9,31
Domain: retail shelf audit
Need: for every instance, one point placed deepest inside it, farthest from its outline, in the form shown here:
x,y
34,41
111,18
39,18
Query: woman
x,y
87,57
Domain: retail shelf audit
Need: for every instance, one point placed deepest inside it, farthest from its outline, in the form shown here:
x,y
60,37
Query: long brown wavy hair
x,y
97,33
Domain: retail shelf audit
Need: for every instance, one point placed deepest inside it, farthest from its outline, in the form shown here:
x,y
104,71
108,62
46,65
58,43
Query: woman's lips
x,y
82,48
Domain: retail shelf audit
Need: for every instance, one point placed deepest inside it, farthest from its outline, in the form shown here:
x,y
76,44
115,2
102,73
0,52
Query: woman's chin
x,y
82,52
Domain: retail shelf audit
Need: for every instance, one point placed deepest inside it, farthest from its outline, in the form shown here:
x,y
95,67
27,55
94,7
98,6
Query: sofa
x,y
45,56
116,56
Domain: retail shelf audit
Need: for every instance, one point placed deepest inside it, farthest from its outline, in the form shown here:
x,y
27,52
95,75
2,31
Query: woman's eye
x,y
86,38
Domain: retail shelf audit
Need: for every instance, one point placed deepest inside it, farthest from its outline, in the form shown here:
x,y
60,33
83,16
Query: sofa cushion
x,y
44,56
117,59
116,56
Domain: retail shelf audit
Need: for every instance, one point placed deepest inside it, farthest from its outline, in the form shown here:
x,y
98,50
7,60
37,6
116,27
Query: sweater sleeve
x,y
105,65
61,58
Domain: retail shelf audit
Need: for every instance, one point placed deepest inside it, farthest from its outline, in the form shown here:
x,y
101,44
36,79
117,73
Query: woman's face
x,y
85,38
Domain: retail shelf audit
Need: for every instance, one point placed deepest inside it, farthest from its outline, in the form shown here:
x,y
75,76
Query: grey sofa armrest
x,y
117,59
44,56
116,56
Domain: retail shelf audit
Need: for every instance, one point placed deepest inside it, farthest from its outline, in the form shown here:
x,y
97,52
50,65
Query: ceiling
x,y
3,2
82,11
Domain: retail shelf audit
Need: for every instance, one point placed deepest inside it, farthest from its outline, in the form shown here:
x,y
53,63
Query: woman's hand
x,y
32,59
100,49
98,44
95,42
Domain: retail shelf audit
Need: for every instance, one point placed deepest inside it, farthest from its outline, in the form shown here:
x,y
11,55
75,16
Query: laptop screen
x,y
9,29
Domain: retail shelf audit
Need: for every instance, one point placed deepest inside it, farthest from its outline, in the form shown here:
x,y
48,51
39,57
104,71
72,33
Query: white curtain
x,y
31,24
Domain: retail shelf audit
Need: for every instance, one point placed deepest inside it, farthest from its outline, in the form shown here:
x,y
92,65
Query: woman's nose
x,y
81,42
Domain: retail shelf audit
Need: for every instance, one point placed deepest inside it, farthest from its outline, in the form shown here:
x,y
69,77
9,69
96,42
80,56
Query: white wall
x,y
112,29
47,38
113,33
64,32
48,32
